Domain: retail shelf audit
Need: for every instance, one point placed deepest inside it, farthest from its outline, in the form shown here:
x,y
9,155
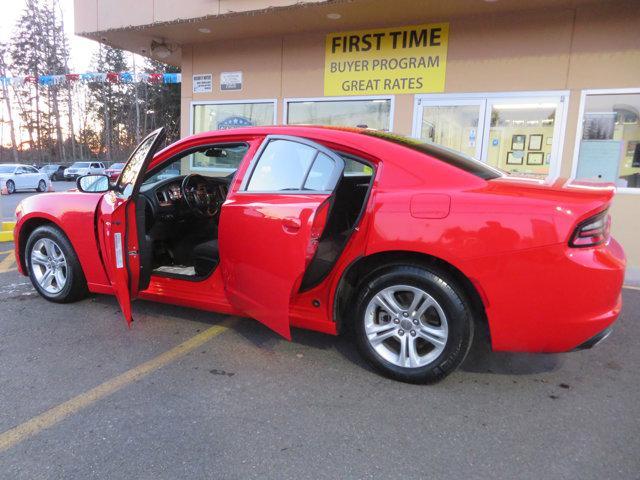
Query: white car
x,y
79,169
14,176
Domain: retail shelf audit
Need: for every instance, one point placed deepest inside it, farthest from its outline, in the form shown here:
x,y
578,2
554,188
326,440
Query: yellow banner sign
x,y
386,60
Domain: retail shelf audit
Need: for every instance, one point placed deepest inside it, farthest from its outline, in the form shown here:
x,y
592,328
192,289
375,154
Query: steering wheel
x,y
198,199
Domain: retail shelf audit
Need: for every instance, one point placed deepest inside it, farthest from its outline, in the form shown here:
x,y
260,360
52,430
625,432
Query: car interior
x,y
180,213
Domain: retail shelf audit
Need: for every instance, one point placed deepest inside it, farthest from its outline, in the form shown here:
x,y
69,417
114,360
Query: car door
x,y
32,177
270,226
122,229
20,178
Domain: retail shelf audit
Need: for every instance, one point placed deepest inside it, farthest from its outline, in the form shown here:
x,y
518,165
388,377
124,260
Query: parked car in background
x,y
54,172
408,245
113,172
15,176
84,168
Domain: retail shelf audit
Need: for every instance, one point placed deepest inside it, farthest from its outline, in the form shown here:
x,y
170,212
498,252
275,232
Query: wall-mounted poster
x,y
535,142
535,158
598,125
518,142
515,158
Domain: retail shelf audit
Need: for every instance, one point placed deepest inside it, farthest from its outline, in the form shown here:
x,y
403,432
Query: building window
x,y
367,113
608,145
517,132
209,116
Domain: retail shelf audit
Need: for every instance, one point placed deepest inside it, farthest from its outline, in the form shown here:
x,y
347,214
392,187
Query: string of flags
x,y
105,77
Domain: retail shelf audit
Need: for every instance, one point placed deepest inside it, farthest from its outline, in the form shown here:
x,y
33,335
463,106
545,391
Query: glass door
x,y
455,124
522,135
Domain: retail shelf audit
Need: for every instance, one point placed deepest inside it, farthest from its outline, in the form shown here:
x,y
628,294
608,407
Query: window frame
x,y
580,128
337,173
446,99
352,98
193,104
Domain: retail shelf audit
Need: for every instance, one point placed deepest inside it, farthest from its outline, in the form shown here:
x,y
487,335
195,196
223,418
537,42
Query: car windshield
x,y
444,154
7,168
80,165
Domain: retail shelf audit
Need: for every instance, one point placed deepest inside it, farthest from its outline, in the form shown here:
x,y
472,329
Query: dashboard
x,y
169,199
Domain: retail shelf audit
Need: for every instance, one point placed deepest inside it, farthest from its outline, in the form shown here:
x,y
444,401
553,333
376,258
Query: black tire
x,y
42,186
11,187
451,300
75,287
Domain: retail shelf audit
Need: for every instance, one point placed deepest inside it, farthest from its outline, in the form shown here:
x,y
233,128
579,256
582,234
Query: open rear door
x,y
121,224
270,226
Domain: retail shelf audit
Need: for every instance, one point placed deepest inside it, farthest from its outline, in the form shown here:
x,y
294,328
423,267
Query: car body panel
x,y
508,236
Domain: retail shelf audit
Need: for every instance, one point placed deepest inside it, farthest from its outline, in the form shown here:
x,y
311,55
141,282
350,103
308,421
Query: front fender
x,y
72,212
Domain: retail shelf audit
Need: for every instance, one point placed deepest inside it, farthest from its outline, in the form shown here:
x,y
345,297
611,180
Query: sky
x,y
81,48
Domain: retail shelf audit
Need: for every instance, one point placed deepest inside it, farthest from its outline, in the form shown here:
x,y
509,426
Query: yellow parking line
x,y
6,251
7,263
58,413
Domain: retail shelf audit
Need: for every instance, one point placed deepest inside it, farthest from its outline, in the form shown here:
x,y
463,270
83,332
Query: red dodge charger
x,y
408,245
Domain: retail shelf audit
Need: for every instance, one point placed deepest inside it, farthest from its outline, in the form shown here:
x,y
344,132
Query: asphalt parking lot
x,y
188,394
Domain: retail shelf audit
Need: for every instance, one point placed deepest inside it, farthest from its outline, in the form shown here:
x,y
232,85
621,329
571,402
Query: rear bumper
x,y
553,299
595,340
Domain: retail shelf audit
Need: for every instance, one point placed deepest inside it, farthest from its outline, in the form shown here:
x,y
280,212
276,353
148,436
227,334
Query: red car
x,y
113,172
408,245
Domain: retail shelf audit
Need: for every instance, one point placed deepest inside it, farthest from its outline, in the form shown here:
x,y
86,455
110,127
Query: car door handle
x,y
291,224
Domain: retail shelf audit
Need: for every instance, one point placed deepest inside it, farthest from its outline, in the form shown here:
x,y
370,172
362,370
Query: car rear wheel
x,y
53,266
11,187
413,324
42,186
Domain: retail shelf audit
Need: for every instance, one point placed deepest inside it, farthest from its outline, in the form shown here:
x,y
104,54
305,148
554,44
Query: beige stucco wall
x,y
567,49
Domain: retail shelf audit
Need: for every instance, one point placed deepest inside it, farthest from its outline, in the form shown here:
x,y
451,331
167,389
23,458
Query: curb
x,y
6,231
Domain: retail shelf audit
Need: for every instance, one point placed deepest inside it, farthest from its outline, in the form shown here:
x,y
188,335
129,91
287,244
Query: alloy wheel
x,y
49,266
406,326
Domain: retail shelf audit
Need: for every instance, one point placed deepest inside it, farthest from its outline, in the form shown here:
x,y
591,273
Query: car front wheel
x,y
53,266
413,324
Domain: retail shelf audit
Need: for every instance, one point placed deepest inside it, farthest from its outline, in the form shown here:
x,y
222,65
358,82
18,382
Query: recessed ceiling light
x,y
204,30
333,16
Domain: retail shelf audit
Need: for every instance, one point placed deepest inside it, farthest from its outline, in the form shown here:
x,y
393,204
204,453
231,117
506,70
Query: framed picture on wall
x,y
515,158
518,142
535,158
535,142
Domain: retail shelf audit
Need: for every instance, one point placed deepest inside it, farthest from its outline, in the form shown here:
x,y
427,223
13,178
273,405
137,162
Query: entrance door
x,y
270,227
123,230
456,124
521,134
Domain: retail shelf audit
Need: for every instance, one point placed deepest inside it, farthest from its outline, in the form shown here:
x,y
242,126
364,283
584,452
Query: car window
x,y
80,165
31,170
283,165
320,175
20,170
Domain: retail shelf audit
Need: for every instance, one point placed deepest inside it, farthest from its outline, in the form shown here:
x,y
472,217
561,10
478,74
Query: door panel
x,y
267,239
123,231
263,246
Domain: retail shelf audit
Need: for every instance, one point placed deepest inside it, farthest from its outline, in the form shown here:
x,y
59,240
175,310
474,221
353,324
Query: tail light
x,y
591,232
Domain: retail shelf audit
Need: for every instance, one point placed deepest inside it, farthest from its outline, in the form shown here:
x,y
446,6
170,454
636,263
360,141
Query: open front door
x,y
122,228
270,226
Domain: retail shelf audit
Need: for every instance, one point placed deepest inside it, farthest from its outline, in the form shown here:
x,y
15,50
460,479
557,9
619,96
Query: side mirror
x,y
93,183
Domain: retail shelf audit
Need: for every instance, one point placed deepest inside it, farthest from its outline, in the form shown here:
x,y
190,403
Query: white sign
x,y
203,83
117,239
231,81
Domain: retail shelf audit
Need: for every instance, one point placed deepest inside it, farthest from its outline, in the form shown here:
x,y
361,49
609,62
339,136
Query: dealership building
x,y
543,88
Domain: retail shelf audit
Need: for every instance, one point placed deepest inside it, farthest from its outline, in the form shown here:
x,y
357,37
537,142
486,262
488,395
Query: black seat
x,y
206,257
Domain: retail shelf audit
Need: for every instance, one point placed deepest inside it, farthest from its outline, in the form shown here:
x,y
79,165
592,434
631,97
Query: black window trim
x,y
335,178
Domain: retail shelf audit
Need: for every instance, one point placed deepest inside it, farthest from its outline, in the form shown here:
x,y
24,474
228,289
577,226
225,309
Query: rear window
x,y
452,157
